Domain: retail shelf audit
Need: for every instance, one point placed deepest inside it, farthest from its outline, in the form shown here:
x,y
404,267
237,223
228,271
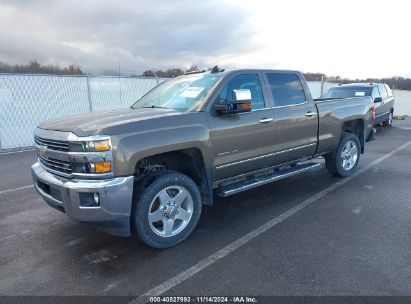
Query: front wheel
x,y
166,210
344,160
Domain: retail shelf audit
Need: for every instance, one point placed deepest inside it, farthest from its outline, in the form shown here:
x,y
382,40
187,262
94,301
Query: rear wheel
x,y
166,210
388,122
344,160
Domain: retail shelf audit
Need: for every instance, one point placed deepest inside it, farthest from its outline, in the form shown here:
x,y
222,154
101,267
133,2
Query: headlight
x,y
91,155
97,146
102,145
90,146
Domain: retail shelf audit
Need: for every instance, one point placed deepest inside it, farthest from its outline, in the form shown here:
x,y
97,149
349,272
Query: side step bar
x,y
262,180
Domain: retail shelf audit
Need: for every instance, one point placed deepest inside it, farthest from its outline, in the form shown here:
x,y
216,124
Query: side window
x,y
375,93
286,89
243,81
388,90
383,91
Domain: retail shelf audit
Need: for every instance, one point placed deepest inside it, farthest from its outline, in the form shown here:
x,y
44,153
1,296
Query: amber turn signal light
x,y
103,167
246,105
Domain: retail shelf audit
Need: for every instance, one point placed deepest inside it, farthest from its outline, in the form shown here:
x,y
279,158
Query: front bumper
x,y
115,196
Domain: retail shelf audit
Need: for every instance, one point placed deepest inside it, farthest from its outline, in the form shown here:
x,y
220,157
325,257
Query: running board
x,y
262,180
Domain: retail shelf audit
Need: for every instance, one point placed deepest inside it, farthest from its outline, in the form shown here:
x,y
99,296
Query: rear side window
x,y
351,91
388,90
243,81
286,89
383,91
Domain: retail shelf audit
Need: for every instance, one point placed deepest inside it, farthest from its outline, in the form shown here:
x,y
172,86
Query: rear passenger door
x,y
379,109
296,121
384,109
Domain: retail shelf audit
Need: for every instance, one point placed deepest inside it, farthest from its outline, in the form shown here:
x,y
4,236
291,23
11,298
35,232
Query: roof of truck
x,y
218,70
360,84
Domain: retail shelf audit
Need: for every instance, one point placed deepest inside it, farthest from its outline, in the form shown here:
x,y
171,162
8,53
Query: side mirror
x,y
242,95
240,104
377,99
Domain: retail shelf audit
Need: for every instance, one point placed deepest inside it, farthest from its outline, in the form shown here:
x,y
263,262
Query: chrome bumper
x,y
115,199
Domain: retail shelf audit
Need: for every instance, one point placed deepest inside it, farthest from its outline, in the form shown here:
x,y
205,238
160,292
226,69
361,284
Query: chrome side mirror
x,y
242,95
241,103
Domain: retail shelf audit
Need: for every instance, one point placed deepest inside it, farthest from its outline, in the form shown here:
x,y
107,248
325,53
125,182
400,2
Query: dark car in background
x,y
380,93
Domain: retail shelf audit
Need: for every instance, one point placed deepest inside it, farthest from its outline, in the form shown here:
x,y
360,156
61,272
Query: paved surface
x,y
355,240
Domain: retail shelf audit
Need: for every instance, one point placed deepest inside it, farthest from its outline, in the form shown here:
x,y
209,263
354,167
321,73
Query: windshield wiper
x,y
154,107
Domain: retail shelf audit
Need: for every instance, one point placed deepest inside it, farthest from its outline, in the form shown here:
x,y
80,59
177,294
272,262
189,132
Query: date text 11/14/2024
x,y
203,299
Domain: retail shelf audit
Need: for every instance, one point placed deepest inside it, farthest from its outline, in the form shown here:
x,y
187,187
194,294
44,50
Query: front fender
x,y
169,134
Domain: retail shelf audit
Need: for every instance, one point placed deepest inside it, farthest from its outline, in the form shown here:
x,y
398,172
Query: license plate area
x,y
50,190
56,194
44,187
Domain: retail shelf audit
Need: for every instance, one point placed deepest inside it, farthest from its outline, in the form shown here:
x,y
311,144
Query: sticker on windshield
x,y
359,93
192,92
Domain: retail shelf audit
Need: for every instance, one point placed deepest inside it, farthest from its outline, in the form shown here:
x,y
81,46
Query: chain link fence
x,y
27,100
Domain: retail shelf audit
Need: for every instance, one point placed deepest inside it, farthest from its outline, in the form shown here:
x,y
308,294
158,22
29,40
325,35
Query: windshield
x,y
182,94
347,92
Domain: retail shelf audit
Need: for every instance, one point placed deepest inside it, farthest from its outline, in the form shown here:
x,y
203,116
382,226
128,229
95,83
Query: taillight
x,y
373,111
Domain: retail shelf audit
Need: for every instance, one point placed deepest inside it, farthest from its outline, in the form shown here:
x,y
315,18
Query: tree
x,y
313,76
163,74
193,68
33,67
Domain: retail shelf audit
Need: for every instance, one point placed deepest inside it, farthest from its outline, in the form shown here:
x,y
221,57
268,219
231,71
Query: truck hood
x,y
92,123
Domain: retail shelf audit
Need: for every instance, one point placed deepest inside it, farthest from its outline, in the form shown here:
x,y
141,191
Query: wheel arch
x,y
355,126
188,161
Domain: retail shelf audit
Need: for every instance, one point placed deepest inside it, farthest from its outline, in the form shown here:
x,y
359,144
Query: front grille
x,y
56,164
52,144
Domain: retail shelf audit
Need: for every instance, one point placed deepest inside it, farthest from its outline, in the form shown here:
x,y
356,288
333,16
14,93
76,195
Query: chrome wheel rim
x,y
170,211
390,119
349,155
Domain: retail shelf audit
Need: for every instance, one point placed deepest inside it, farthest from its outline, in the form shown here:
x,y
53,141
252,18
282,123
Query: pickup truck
x,y
380,93
146,171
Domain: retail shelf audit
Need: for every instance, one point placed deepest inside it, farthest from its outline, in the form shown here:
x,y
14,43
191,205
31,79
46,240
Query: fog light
x,y
88,199
97,199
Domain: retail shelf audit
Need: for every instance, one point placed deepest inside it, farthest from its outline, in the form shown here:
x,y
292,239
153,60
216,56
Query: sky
x,y
355,39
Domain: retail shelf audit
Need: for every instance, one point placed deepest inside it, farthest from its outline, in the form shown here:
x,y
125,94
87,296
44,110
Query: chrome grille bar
x,y
55,164
52,144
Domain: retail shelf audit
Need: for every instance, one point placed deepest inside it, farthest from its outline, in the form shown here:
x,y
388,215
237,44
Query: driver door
x,y
243,142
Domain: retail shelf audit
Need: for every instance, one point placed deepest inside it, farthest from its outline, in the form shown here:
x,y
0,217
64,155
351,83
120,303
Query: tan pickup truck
x,y
147,170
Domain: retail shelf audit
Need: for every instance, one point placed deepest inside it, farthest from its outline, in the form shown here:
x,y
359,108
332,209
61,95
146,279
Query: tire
x,y
166,209
388,122
344,166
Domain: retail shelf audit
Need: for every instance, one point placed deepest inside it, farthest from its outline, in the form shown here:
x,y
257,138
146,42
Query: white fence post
x,y
89,94
322,85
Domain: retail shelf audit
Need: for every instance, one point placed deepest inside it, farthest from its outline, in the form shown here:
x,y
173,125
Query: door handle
x,y
266,120
309,114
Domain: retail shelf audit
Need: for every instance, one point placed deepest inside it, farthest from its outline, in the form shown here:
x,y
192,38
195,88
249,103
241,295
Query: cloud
x,y
140,34
313,36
